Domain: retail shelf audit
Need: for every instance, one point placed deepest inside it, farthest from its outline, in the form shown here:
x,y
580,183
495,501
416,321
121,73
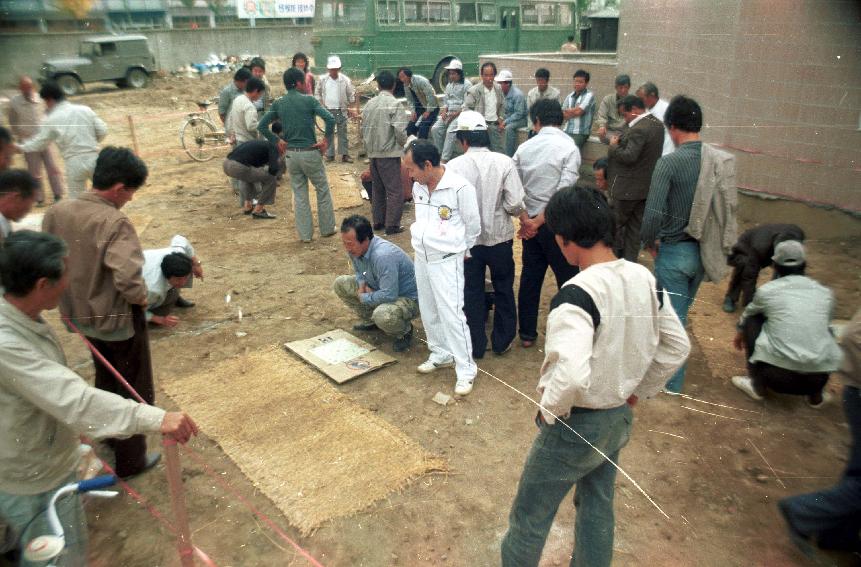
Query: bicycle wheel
x,y
195,134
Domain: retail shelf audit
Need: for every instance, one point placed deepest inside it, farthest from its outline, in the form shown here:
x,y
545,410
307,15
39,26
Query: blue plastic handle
x,y
97,483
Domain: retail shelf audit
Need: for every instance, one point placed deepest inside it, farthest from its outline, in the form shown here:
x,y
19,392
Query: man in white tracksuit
x,y
446,227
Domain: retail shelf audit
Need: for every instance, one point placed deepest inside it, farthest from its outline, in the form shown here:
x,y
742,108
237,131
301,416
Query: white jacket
x,y
447,220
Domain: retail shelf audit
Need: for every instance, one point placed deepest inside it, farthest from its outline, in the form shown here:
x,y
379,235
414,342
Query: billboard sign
x,y
246,9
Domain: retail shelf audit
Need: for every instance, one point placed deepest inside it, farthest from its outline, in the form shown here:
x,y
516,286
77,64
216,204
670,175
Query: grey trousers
x,y
394,318
79,170
388,193
302,167
247,177
341,131
35,160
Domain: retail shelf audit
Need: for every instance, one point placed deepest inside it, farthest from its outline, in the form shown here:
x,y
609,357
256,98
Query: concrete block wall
x,y
779,82
171,48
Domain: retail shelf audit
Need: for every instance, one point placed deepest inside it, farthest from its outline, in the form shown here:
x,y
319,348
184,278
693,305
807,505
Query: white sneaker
x,y
745,384
463,387
429,366
826,397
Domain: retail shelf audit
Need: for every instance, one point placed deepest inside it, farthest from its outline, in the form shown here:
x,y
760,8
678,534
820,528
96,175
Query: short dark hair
x,y
5,136
385,80
548,111
622,80
276,127
254,84
360,224
475,139
685,114
17,181
26,256
582,73
580,215
542,73
297,56
424,150
631,101
242,74
490,64
52,91
119,165
783,271
176,265
406,71
600,163
293,77
257,62
649,88
570,38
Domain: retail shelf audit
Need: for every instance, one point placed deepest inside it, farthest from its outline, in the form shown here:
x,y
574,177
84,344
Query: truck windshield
x,y
332,13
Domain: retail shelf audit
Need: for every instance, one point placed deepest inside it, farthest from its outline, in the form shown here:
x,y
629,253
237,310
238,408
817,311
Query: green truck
x,y
369,35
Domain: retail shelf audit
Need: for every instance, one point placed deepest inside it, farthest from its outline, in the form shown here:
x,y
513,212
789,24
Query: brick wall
x,y
779,82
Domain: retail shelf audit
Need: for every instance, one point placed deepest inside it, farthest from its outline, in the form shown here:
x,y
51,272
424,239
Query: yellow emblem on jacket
x,y
444,213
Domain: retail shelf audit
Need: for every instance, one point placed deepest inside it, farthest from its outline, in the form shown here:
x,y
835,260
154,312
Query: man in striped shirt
x,y
678,266
579,109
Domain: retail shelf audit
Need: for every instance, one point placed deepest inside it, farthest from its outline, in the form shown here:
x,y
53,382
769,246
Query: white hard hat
x,y
471,121
454,64
504,76
333,62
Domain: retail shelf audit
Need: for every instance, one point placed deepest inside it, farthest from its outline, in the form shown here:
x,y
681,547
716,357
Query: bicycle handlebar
x,y
97,483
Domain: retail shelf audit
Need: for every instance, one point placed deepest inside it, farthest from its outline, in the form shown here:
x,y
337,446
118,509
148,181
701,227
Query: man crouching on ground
x,y
383,289
45,406
611,339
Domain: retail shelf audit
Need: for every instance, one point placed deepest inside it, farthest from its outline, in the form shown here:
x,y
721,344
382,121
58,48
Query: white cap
x,y
471,121
333,62
454,64
789,253
504,76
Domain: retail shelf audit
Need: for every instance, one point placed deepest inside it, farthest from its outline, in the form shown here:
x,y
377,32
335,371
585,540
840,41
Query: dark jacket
x,y
757,244
632,161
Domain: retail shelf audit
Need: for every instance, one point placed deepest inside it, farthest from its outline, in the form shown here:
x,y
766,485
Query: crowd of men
x,y
614,334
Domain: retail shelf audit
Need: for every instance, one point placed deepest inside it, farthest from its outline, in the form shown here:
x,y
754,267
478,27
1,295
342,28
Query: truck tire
x,y
69,84
137,78
440,75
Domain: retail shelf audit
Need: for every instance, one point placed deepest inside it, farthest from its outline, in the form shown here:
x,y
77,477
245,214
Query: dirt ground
x,y
716,462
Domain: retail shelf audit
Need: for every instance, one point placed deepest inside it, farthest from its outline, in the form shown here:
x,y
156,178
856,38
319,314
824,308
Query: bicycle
x,y
49,547
199,134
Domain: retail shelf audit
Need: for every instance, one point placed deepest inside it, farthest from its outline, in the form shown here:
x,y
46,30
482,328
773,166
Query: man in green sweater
x,y
297,112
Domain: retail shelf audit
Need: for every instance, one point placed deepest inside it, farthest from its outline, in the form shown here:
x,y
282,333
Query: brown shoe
x,y
346,159
330,159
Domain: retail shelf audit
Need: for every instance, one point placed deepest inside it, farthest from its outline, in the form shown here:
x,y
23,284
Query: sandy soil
x,y
715,470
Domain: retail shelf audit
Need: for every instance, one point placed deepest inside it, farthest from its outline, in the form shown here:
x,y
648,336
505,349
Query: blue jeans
x,y
679,270
558,460
833,516
511,136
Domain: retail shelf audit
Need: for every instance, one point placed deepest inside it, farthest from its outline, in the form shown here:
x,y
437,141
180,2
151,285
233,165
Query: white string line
x,y
693,399
710,413
559,420
665,433
767,463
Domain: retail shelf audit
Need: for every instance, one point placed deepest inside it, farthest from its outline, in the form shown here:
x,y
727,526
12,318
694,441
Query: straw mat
x,y
315,453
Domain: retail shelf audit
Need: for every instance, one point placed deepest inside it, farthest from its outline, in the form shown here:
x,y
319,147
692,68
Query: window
x,y
387,12
486,13
109,49
427,12
541,13
465,12
344,13
566,15
89,50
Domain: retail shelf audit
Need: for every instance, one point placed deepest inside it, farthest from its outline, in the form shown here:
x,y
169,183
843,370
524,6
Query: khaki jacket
x,y
384,122
474,99
45,406
713,212
105,265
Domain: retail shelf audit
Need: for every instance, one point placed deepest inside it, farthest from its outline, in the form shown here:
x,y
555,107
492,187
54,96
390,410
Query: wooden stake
x,y
134,135
177,500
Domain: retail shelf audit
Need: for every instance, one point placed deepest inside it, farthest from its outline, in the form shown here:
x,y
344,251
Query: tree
x,y
78,8
216,6
188,3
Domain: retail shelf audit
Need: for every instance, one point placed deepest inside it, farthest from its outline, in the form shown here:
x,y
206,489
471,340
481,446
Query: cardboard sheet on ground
x,y
339,355
310,449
